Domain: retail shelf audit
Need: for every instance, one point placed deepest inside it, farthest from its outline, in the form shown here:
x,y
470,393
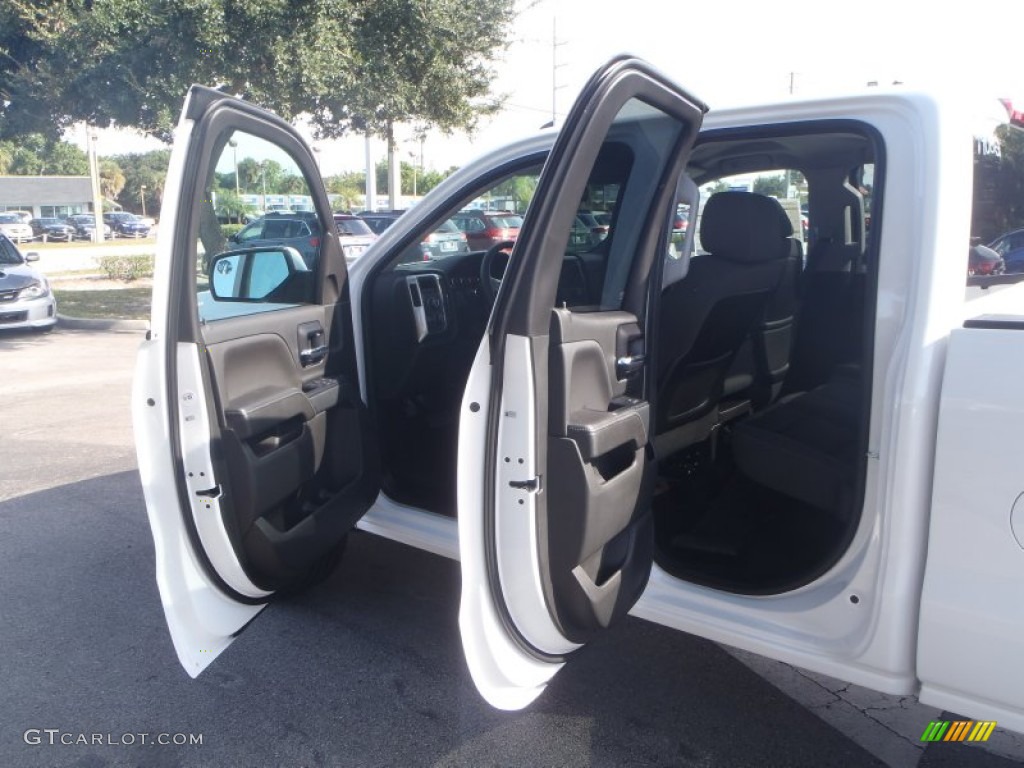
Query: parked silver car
x,y
26,300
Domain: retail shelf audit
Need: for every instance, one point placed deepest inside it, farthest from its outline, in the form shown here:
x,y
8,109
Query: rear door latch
x,y
530,486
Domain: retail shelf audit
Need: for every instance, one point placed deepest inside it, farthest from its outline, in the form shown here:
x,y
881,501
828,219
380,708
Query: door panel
x,y
554,521
247,379
596,466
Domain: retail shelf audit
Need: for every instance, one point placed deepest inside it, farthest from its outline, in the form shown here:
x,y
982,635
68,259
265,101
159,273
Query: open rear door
x,y
972,615
555,461
253,444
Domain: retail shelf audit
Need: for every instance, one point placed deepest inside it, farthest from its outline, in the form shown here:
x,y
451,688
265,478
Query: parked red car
x,y
486,228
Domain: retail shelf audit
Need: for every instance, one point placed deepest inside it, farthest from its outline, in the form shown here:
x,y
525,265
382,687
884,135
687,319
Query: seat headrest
x,y
745,227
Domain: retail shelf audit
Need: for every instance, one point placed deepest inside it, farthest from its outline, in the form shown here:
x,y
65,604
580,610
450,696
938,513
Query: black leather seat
x,y
761,365
705,317
806,445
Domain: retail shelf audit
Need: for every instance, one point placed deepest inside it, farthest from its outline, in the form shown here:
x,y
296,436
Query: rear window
x,y
378,223
353,226
507,222
448,226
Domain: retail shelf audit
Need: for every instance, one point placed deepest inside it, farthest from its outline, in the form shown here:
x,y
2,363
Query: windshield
x,y
8,253
9,218
353,226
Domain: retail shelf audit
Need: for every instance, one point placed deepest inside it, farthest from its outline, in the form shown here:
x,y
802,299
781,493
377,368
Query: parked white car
x,y
780,458
13,226
26,300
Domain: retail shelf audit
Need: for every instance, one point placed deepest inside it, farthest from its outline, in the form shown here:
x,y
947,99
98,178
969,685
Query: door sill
x,y
413,526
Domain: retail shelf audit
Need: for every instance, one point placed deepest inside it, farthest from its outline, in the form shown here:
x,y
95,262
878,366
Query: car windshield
x,y
353,226
8,253
9,218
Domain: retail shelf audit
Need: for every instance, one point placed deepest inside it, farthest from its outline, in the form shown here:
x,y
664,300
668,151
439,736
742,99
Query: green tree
x,y
418,61
36,154
143,169
249,175
347,64
518,188
111,179
130,62
350,189
231,207
424,182
773,186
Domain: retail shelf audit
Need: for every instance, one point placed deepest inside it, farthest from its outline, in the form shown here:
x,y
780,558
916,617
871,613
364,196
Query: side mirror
x,y
31,256
253,275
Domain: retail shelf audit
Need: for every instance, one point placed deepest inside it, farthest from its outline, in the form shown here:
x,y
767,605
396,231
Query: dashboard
x,y
428,317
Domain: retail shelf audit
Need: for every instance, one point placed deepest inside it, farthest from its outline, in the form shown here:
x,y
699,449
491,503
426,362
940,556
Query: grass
x,y
113,303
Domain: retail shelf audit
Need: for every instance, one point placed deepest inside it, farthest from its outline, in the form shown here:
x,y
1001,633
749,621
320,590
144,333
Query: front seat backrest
x,y
704,318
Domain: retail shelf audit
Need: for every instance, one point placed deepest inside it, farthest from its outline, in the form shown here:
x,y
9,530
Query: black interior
x,y
768,497
768,350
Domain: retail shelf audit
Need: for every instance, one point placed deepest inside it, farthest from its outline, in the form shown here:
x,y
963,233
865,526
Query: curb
x,y
100,324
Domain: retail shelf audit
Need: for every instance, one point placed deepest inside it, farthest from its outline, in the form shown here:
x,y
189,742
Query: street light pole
x,y
234,148
263,178
412,156
97,198
142,195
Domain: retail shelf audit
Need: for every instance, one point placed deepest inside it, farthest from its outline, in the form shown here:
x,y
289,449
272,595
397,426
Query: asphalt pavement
x,y
366,669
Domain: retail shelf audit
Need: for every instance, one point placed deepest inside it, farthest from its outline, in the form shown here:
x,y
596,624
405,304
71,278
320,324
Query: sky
x,y
725,52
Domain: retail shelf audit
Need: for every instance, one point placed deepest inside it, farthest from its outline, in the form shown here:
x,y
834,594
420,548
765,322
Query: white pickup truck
x,y
812,453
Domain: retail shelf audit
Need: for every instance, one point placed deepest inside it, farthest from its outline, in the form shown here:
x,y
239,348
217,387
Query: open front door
x,y
555,461
251,437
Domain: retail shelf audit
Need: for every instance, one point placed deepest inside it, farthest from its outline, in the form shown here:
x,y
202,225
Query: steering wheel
x,y
490,284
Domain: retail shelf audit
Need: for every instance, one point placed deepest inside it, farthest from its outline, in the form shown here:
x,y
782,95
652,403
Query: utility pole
x,y
234,148
94,173
371,175
555,66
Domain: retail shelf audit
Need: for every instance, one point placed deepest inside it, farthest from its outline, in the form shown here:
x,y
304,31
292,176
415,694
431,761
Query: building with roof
x,y
46,196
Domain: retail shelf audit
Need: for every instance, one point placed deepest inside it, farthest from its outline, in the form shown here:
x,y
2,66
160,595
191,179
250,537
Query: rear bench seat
x,y
805,445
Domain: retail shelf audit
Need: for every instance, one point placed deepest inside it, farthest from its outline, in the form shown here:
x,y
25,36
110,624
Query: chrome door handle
x,y
629,365
313,355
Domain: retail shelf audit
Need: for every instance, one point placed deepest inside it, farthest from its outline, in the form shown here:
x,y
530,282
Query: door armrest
x,y
263,411
598,432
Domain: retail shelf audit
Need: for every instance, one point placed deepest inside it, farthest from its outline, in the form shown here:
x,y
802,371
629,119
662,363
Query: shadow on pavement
x,y
365,669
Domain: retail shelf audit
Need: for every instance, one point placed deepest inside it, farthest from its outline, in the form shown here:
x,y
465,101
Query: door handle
x,y
313,355
629,365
